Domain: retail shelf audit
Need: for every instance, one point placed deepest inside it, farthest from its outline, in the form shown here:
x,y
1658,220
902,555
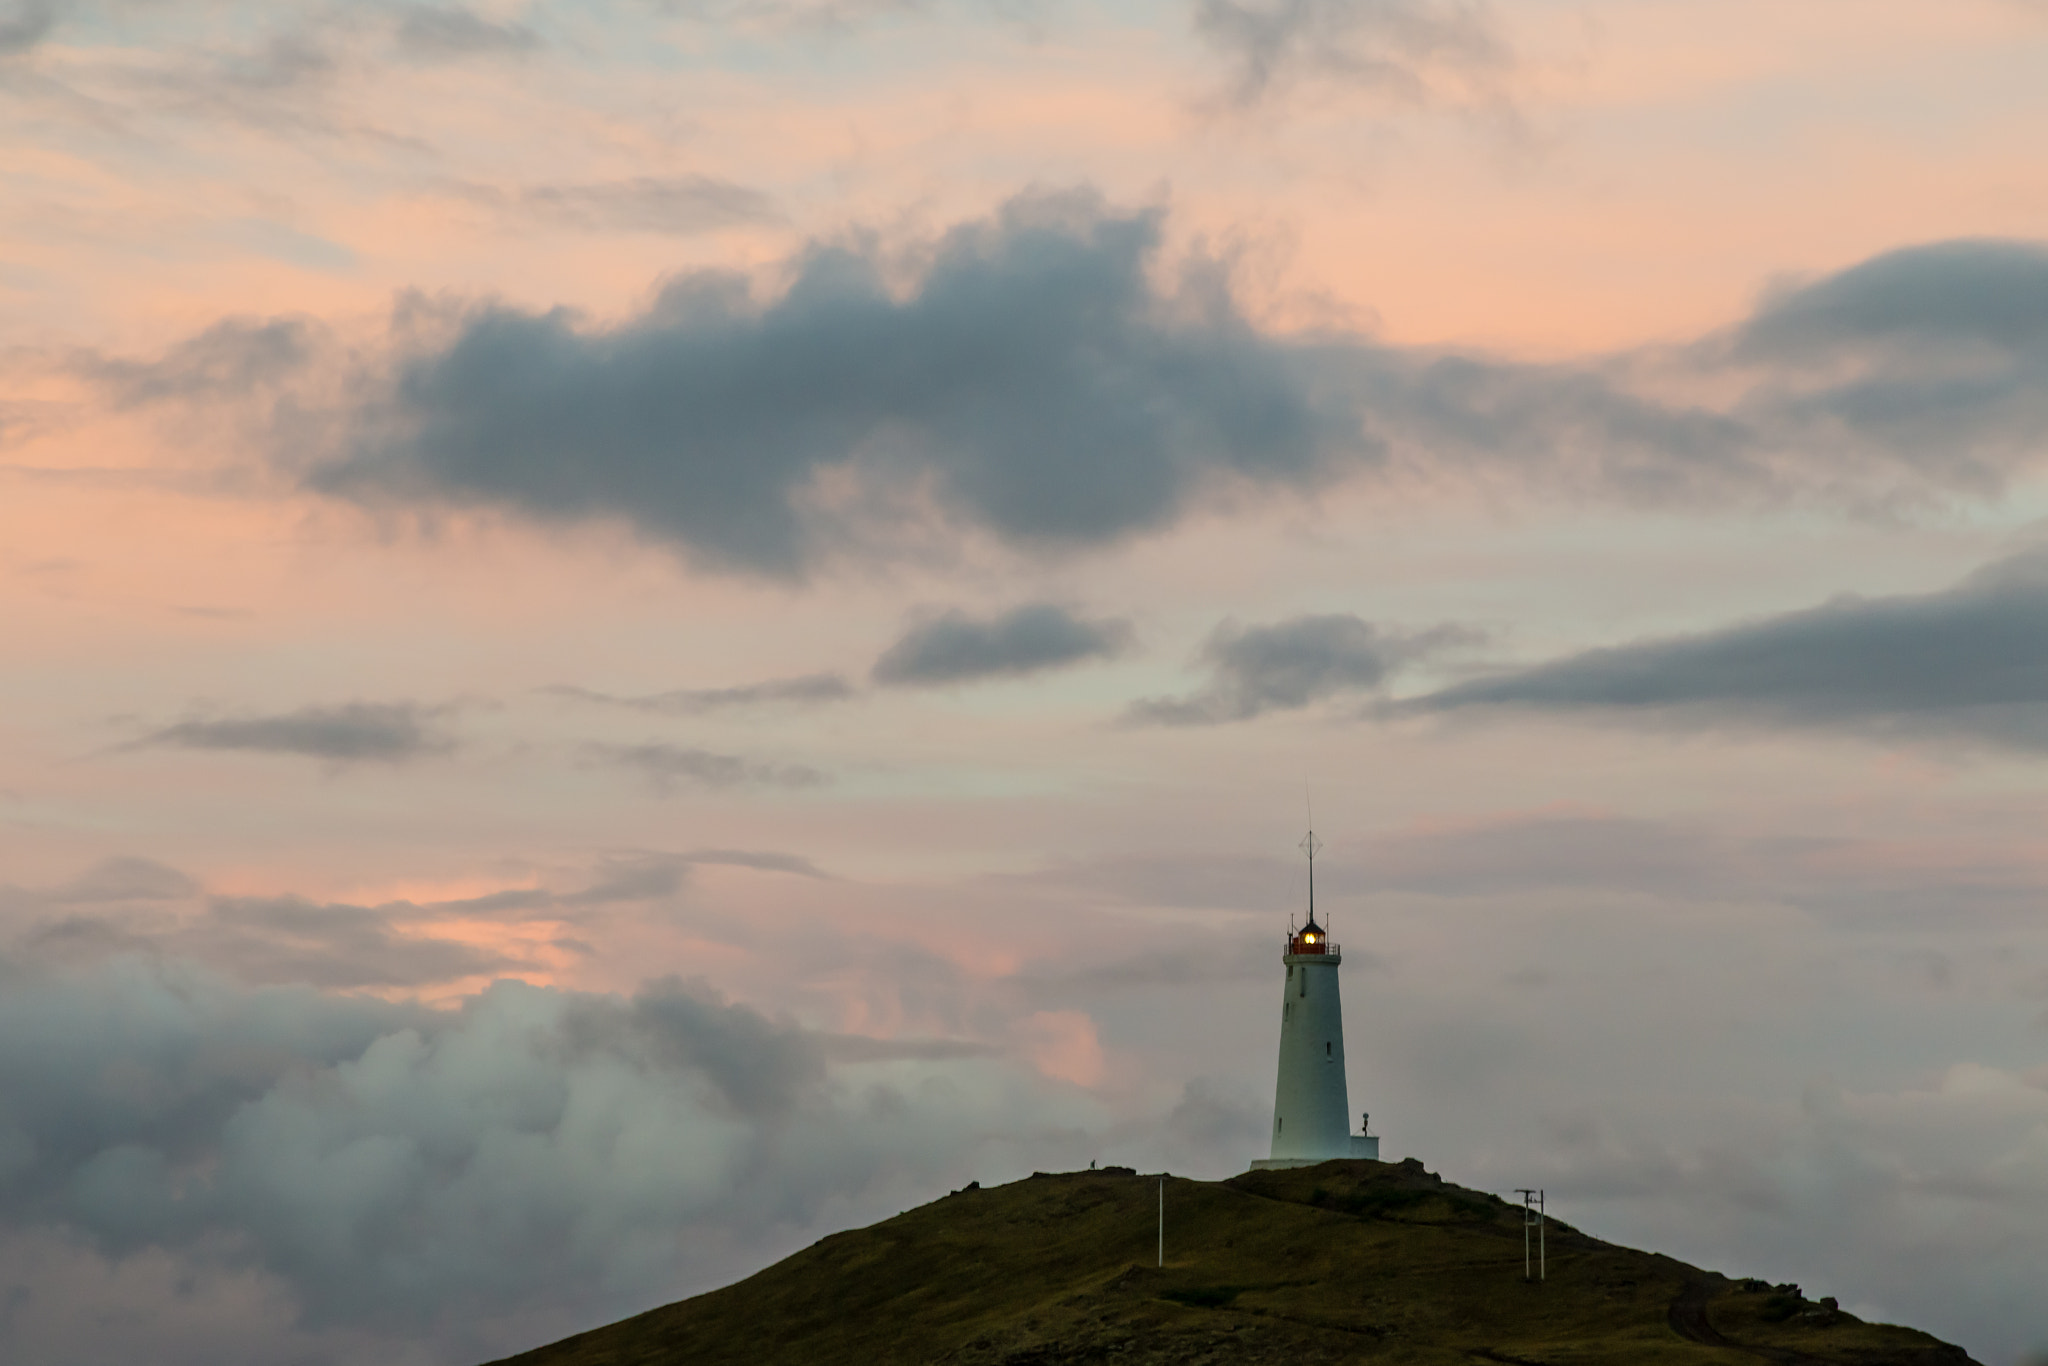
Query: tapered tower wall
x,y
1311,1110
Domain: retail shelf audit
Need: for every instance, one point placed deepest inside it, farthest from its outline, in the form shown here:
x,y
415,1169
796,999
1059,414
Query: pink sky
x,y
344,681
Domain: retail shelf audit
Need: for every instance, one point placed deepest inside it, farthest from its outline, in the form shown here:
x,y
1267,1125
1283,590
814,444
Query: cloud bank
x,y
1041,377
533,1157
1933,356
1969,662
1033,382
1044,378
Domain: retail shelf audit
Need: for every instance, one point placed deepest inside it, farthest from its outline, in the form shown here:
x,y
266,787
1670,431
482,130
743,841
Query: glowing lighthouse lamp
x,y
1311,1113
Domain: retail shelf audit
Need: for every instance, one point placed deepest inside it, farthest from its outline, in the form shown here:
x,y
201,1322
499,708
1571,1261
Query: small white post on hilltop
x,y
1162,1220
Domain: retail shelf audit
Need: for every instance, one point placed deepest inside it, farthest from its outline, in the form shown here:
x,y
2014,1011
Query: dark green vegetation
x,y
1347,1261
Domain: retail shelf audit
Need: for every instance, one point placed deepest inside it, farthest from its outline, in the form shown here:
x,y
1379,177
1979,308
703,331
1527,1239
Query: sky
x,y
641,630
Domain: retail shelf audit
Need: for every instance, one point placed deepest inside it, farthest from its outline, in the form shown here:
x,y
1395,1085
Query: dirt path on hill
x,y
1688,1316
1688,1319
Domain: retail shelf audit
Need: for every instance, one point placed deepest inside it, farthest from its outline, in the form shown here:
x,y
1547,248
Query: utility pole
x,y
1162,1220
1532,1216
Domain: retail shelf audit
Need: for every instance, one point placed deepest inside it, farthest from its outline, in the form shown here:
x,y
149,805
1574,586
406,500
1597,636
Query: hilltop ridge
x,y
1341,1262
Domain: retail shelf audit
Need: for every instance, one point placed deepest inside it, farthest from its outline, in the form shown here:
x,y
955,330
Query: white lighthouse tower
x,y
1311,1112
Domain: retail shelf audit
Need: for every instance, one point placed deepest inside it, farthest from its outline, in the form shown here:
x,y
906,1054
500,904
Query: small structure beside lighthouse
x,y
1311,1110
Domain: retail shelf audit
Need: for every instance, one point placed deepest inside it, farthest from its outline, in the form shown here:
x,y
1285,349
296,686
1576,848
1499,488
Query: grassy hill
x,y
1347,1261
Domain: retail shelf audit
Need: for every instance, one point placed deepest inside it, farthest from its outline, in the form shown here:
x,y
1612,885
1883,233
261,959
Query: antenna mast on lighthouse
x,y
1310,845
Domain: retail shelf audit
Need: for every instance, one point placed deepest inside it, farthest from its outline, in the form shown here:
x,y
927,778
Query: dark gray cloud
x,y
1290,664
808,688
447,32
957,648
1034,382
1404,48
1933,357
677,204
1041,377
1988,291
1970,661
387,732
669,766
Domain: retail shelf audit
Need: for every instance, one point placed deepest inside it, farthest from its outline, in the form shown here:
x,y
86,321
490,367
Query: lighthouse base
x,y
1362,1147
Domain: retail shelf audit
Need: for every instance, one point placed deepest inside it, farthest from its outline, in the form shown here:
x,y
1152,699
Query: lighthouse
x,y
1311,1111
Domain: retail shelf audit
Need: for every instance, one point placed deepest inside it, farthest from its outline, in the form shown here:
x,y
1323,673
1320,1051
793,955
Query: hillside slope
x,y
1347,1261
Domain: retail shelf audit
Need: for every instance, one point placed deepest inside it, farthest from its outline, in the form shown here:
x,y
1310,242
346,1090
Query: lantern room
x,y
1310,938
